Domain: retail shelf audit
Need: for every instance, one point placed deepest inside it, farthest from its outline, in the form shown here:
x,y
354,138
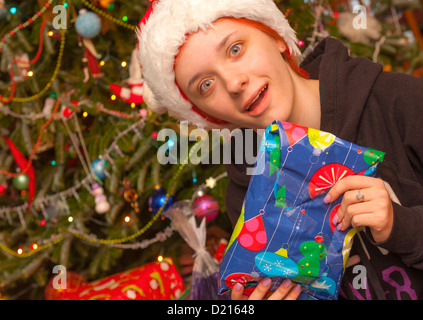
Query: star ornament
x,y
211,182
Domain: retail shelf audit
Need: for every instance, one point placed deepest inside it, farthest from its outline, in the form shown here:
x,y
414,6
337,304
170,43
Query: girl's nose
x,y
236,82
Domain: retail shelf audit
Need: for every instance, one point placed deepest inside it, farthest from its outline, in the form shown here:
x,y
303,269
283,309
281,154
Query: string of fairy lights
x,y
120,242
6,213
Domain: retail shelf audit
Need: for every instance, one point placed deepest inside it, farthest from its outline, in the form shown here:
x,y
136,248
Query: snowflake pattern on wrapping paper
x,y
267,267
279,263
288,273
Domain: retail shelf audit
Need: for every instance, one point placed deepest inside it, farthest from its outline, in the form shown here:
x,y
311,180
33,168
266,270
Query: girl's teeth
x,y
258,96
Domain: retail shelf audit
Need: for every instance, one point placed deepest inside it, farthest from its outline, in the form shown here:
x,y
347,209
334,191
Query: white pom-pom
x,y
102,207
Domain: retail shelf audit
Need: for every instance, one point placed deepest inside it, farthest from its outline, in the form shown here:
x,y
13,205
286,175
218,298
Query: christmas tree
x,y
81,184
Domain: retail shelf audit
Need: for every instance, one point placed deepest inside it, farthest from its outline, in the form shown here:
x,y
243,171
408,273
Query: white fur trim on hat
x,y
165,31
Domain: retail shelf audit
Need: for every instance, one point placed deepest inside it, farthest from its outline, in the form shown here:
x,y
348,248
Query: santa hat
x,y
164,29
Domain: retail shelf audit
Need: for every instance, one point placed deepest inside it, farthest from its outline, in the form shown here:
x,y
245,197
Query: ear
x,y
281,46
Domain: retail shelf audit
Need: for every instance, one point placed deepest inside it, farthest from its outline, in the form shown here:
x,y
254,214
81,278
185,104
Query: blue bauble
x,y
88,24
157,200
275,265
324,284
98,166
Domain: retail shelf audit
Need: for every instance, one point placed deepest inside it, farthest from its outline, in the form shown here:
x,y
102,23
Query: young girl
x,y
234,64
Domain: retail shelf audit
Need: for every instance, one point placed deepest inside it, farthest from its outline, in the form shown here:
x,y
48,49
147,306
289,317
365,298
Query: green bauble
x,y
309,266
21,182
371,156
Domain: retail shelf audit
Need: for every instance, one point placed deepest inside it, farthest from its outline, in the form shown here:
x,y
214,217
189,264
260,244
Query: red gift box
x,y
153,281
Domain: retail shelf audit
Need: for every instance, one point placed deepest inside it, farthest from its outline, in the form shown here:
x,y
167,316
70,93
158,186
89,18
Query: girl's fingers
x,y
350,198
294,293
282,290
286,291
352,217
261,289
237,292
346,214
350,183
361,220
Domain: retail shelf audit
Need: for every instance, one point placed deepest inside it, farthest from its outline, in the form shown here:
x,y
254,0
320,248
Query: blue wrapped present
x,y
285,229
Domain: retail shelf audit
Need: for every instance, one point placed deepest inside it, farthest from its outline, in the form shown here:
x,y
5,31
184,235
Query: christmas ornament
x,y
101,203
22,63
211,182
309,266
98,166
48,107
24,164
130,95
107,4
206,207
158,280
67,112
3,189
90,60
21,182
251,234
134,94
87,24
324,284
326,177
157,200
131,196
275,265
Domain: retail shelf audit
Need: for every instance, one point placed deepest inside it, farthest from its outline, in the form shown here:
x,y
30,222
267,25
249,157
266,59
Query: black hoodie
x,y
382,110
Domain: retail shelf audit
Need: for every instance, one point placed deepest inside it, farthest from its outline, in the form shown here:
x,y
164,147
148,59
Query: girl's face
x,y
235,72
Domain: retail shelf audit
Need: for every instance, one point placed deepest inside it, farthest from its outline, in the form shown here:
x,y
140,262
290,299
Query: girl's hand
x,y
366,202
284,292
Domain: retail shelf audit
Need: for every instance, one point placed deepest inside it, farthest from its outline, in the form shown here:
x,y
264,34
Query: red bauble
x,y
206,207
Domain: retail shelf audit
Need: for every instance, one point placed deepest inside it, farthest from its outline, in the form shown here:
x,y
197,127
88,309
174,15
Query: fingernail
x,y
326,199
335,219
297,288
238,287
266,282
339,226
287,283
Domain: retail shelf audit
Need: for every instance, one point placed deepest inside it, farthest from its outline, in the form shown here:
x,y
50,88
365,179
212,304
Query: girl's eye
x,y
205,85
235,49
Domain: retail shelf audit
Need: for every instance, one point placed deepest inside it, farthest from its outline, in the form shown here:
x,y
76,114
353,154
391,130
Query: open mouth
x,y
256,101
